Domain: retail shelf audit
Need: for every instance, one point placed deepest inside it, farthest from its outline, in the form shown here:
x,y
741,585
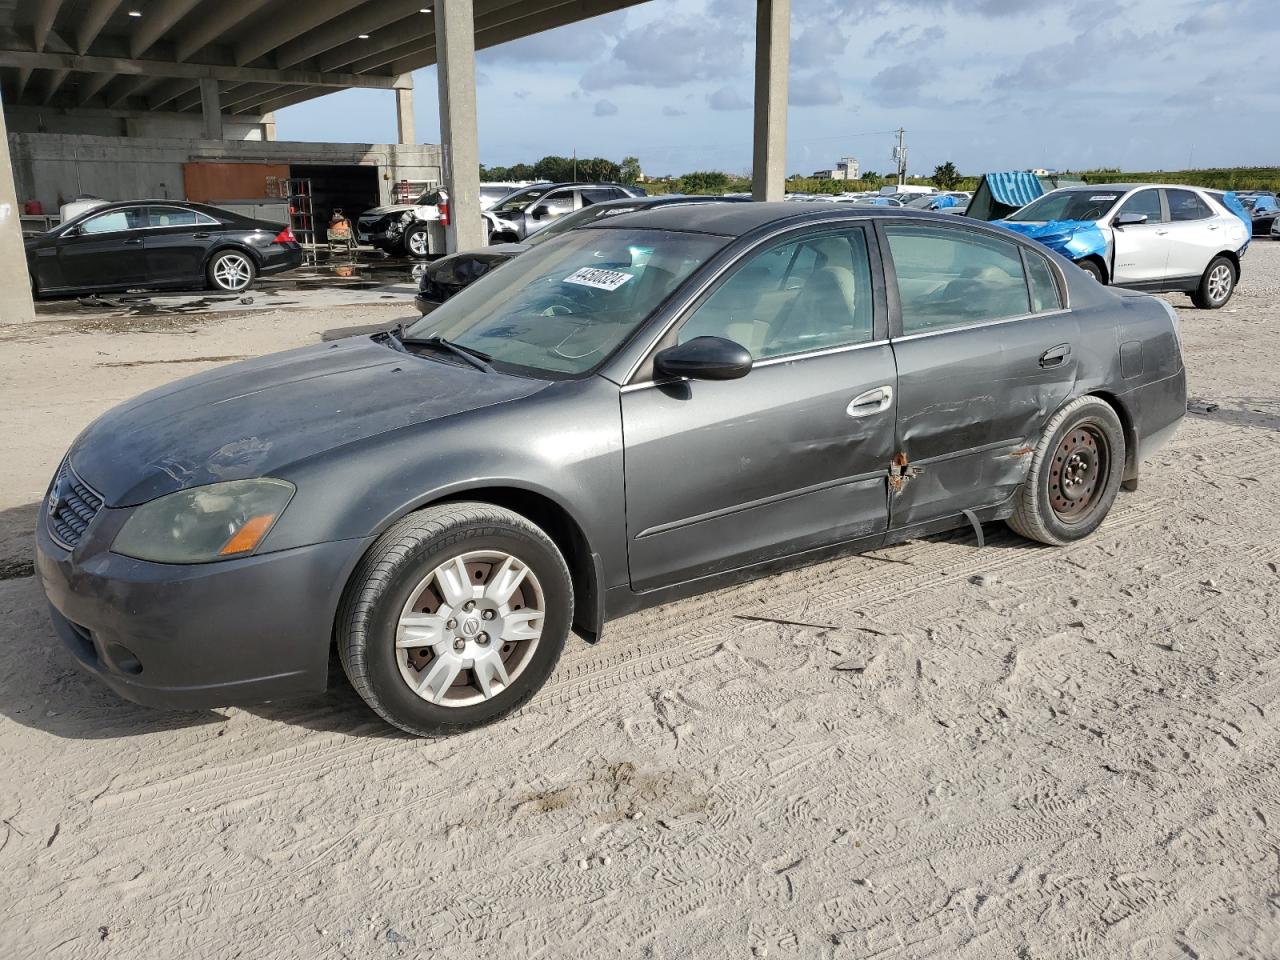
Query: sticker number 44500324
x,y
598,278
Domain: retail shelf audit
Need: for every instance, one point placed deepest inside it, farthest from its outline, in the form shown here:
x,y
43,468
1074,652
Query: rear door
x,y
1141,249
177,242
106,251
1196,234
985,354
793,456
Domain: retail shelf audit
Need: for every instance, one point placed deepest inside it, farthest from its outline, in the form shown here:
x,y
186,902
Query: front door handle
x,y
1162,233
200,236
135,240
1054,356
870,403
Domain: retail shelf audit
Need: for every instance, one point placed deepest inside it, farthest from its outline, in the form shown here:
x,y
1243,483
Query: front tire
x,y
1092,268
232,271
1074,476
417,241
1216,286
455,618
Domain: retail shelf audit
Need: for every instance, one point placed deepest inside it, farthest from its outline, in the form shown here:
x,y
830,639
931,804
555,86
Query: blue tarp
x,y
1015,189
1074,239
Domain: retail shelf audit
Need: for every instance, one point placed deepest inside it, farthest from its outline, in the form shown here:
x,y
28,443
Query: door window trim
x,y
785,233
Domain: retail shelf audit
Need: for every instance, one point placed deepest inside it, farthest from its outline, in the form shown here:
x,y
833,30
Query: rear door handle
x,y
135,240
200,236
1054,356
1162,233
868,404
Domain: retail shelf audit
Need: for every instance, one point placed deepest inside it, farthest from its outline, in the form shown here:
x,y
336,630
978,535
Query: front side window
x,y
518,201
808,294
1187,205
1145,203
563,307
950,278
115,221
1089,204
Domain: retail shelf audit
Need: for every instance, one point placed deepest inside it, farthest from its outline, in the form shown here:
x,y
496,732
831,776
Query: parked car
x,y
157,244
1263,209
635,411
1148,237
407,229
951,202
529,209
445,277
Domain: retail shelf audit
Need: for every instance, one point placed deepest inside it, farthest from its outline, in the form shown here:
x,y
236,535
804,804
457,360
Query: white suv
x,y
1148,237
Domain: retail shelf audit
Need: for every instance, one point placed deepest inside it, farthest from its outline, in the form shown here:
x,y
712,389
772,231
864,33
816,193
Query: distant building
x,y
846,169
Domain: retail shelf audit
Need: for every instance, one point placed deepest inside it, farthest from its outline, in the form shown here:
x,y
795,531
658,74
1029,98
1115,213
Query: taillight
x,y
444,214
284,236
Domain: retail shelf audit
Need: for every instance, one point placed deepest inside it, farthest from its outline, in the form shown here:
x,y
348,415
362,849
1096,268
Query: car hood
x,y
1071,238
254,418
383,211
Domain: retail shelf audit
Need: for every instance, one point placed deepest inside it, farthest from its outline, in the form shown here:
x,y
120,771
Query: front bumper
x,y
199,635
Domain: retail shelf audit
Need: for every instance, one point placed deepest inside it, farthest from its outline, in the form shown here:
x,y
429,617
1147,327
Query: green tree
x,y
630,168
946,176
704,181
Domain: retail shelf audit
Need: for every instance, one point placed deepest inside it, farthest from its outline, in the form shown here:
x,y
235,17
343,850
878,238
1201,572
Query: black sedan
x,y
628,413
158,244
442,278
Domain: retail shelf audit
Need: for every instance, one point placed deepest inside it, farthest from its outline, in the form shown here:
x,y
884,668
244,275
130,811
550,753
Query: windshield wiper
x,y
474,357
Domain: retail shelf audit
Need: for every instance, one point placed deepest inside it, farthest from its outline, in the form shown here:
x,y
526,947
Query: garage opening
x,y
351,188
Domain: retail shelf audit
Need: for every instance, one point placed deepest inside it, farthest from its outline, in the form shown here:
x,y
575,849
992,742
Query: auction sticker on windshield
x,y
598,278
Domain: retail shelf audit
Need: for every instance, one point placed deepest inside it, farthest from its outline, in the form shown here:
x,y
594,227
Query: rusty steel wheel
x,y
1074,474
1080,468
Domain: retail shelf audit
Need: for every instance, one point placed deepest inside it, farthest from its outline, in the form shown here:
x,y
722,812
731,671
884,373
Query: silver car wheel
x,y
1220,283
232,272
469,628
417,242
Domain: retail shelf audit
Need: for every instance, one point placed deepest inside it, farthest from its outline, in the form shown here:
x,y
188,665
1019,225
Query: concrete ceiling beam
x,y
92,21
216,20
160,17
46,11
366,19
288,26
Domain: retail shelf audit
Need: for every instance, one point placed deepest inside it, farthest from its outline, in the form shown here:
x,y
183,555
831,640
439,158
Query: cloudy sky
x,y
988,84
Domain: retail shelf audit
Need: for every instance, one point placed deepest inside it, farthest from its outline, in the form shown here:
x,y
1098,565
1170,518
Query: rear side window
x,y
599,195
176,217
1185,205
1044,292
952,278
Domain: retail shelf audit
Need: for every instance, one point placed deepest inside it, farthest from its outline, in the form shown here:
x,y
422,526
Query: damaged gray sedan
x,y
632,412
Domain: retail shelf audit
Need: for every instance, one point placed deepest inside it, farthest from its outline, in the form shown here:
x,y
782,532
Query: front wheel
x,y
455,618
1092,269
417,241
232,271
1216,286
1074,476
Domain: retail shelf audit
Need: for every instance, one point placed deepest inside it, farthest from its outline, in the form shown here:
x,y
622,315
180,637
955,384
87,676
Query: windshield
x,y
561,309
516,202
1091,204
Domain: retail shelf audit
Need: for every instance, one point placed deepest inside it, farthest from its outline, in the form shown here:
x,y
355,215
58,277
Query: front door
x,y
105,251
177,242
985,355
793,456
1141,249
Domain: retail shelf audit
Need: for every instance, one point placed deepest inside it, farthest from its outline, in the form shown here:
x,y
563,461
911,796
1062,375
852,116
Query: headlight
x,y
214,522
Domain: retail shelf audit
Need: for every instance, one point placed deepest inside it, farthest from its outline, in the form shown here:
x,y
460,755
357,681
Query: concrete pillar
x,y
456,69
211,107
15,283
404,108
773,53
269,125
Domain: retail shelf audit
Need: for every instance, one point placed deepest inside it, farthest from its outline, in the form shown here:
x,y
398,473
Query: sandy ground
x,y
942,751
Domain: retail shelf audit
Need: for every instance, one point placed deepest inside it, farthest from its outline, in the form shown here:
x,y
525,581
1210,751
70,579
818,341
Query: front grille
x,y
72,506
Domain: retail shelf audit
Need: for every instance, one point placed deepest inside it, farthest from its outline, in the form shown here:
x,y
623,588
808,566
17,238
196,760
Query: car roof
x,y
737,219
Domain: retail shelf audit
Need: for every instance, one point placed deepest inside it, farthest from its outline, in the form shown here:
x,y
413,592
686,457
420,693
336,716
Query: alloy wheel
x,y
418,243
1220,283
232,272
470,628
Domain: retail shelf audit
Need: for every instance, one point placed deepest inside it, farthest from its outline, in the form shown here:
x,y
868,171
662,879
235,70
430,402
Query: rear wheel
x,y
455,618
1074,476
1092,268
232,271
1216,286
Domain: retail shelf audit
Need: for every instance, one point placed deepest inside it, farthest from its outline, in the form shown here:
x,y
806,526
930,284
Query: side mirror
x,y
540,211
1129,220
704,358
72,232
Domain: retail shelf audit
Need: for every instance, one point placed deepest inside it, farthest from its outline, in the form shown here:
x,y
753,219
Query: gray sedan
x,y
629,413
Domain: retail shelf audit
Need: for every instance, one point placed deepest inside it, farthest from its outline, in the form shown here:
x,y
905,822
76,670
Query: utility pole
x,y
900,156
575,164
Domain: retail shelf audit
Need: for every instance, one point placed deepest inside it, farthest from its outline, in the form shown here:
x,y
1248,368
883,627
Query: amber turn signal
x,y
248,536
